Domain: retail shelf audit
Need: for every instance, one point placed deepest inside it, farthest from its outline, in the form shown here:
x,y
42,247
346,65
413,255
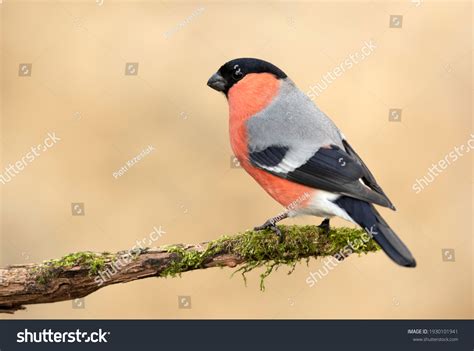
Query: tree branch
x,y
79,274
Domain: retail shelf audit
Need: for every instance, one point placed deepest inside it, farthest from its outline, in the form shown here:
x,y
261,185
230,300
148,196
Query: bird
x,y
298,155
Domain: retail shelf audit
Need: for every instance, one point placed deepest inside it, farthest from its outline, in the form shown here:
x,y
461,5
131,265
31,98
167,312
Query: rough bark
x,y
80,274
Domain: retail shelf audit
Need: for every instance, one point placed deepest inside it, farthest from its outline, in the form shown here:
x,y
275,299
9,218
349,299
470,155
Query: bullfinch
x,y
298,155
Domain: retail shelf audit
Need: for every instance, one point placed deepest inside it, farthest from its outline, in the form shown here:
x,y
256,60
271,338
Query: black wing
x,y
367,177
330,168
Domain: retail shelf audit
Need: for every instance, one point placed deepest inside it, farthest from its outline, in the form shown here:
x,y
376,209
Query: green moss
x,y
257,249
186,259
91,261
265,249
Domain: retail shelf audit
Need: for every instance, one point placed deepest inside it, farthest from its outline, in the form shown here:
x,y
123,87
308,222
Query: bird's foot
x,y
325,226
325,229
270,224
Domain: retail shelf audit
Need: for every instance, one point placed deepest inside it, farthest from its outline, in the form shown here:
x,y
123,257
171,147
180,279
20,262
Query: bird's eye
x,y
237,73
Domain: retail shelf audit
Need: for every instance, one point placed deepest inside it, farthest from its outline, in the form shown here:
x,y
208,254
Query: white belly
x,y
322,205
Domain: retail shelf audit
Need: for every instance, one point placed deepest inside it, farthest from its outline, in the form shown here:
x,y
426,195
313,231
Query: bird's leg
x,y
271,224
325,226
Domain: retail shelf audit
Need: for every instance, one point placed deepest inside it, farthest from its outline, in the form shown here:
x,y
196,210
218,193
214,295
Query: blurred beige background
x,y
77,88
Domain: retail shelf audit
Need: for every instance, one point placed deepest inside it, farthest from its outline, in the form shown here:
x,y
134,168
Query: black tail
x,y
368,218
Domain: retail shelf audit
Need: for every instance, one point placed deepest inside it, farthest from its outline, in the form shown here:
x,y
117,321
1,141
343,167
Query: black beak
x,y
217,82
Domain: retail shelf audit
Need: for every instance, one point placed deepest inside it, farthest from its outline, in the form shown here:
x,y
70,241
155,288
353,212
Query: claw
x,y
325,226
270,225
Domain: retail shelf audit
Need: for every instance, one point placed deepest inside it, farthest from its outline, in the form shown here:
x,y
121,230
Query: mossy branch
x,y
79,274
